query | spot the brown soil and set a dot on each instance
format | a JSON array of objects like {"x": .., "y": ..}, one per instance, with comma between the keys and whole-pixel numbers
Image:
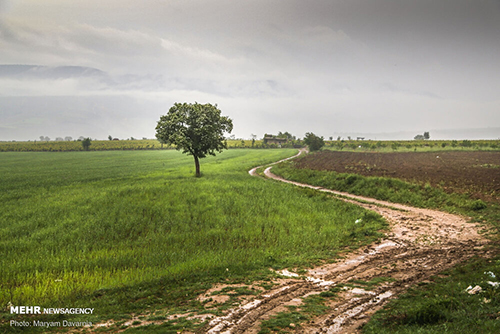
[
  {"x": 477, "y": 173},
  {"x": 421, "y": 243}
]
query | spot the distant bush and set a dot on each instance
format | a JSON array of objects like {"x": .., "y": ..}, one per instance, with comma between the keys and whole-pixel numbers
[
  {"x": 86, "y": 144},
  {"x": 466, "y": 143}
]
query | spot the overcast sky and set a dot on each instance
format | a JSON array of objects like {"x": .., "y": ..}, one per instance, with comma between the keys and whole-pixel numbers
[{"x": 112, "y": 67}]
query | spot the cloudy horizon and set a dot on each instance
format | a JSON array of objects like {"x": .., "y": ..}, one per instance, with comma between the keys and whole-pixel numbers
[{"x": 88, "y": 68}]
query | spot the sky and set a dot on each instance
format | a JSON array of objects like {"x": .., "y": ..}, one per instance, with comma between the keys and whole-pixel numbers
[{"x": 380, "y": 67}]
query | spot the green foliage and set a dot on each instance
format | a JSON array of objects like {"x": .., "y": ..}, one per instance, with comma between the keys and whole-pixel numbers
[
  {"x": 283, "y": 320},
  {"x": 196, "y": 129},
  {"x": 395, "y": 146},
  {"x": 286, "y": 135},
  {"x": 66, "y": 146},
  {"x": 128, "y": 230},
  {"x": 86, "y": 144},
  {"x": 314, "y": 142},
  {"x": 478, "y": 205},
  {"x": 466, "y": 143},
  {"x": 311, "y": 306}
]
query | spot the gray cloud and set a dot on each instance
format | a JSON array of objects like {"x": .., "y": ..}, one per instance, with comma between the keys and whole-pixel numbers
[{"x": 271, "y": 65}]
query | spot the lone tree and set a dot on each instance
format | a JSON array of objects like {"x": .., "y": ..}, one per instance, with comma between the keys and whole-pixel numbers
[
  {"x": 196, "y": 129},
  {"x": 86, "y": 144},
  {"x": 314, "y": 142}
]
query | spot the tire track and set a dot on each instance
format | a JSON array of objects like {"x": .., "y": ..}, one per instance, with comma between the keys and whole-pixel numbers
[{"x": 421, "y": 243}]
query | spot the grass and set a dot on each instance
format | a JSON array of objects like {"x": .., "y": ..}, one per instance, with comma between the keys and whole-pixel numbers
[
  {"x": 134, "y": 231},
  {"x": 394, "y": 190},
  {"x": 292, "y": 319},
  {"x": 442, "y": 306}
]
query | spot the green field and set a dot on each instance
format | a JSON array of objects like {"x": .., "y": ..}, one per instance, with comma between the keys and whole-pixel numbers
[
  {"x": 108, "y": 145},
  {"x": 131, "y": 231}
]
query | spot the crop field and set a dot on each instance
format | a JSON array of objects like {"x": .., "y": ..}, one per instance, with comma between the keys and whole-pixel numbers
[
  {"x": 463, "y": 182},
  {"x": 412, "y": 145},
  {"x": 134, "y": 231},
  {"x": 476, "y": 173},
  {"x": 105, "y": 145},
  {"x": 342, "y": 145}
]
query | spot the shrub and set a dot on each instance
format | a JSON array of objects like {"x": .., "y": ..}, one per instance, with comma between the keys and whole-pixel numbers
[
  {"x": 478, "y": 205},
  {"x": 86, "y": 144}
]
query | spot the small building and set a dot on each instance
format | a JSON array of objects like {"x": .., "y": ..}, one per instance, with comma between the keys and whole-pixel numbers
[{"x": 270, "y": 139}]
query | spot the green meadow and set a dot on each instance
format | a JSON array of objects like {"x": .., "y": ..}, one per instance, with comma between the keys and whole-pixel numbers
[{"x": 128, "y": 231}]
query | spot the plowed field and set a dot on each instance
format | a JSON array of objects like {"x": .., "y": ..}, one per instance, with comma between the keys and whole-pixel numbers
[{"x": 476, "y": 173}]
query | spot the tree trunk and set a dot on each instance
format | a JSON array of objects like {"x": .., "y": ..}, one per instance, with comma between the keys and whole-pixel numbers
[{"x": 197, "y": 164}]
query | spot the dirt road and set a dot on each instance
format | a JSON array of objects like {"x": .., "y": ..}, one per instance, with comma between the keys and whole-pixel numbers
[{"x": 421, "y": 243}]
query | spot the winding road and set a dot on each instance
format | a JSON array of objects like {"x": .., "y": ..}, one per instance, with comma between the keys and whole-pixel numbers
[{"x": 421, "y": 243}]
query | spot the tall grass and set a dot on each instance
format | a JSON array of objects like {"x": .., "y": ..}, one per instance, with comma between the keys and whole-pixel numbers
[{"x": 75, "y": 223}]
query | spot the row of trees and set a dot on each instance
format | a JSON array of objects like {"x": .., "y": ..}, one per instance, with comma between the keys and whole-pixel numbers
[
  {"x": 425, "y": 136},
  {"x": 86, "y": 142},
  {"x": 67, "y": 138}
]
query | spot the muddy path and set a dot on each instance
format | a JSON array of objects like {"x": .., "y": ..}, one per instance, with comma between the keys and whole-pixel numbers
[{"x": 421, "y": 243}]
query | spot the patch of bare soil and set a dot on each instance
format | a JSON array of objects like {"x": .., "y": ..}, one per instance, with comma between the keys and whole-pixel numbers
[
  {"x": 421, "y": 243},
  {"x": 474, "y": 172}
]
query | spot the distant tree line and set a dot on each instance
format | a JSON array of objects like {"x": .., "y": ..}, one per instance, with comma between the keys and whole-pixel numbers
[{"x": 425, "y": 136}]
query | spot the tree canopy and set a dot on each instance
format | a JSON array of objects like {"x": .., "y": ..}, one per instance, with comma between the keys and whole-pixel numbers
[
  {"x": 425, "y": 136},
  {"x": 86, "y": 143},
  {"x": 196, "y": 129},
  {"x": 314, "y": 142}
]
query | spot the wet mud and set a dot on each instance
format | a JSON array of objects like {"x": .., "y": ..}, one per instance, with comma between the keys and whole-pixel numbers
[{"x": 421, "y": 243}]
